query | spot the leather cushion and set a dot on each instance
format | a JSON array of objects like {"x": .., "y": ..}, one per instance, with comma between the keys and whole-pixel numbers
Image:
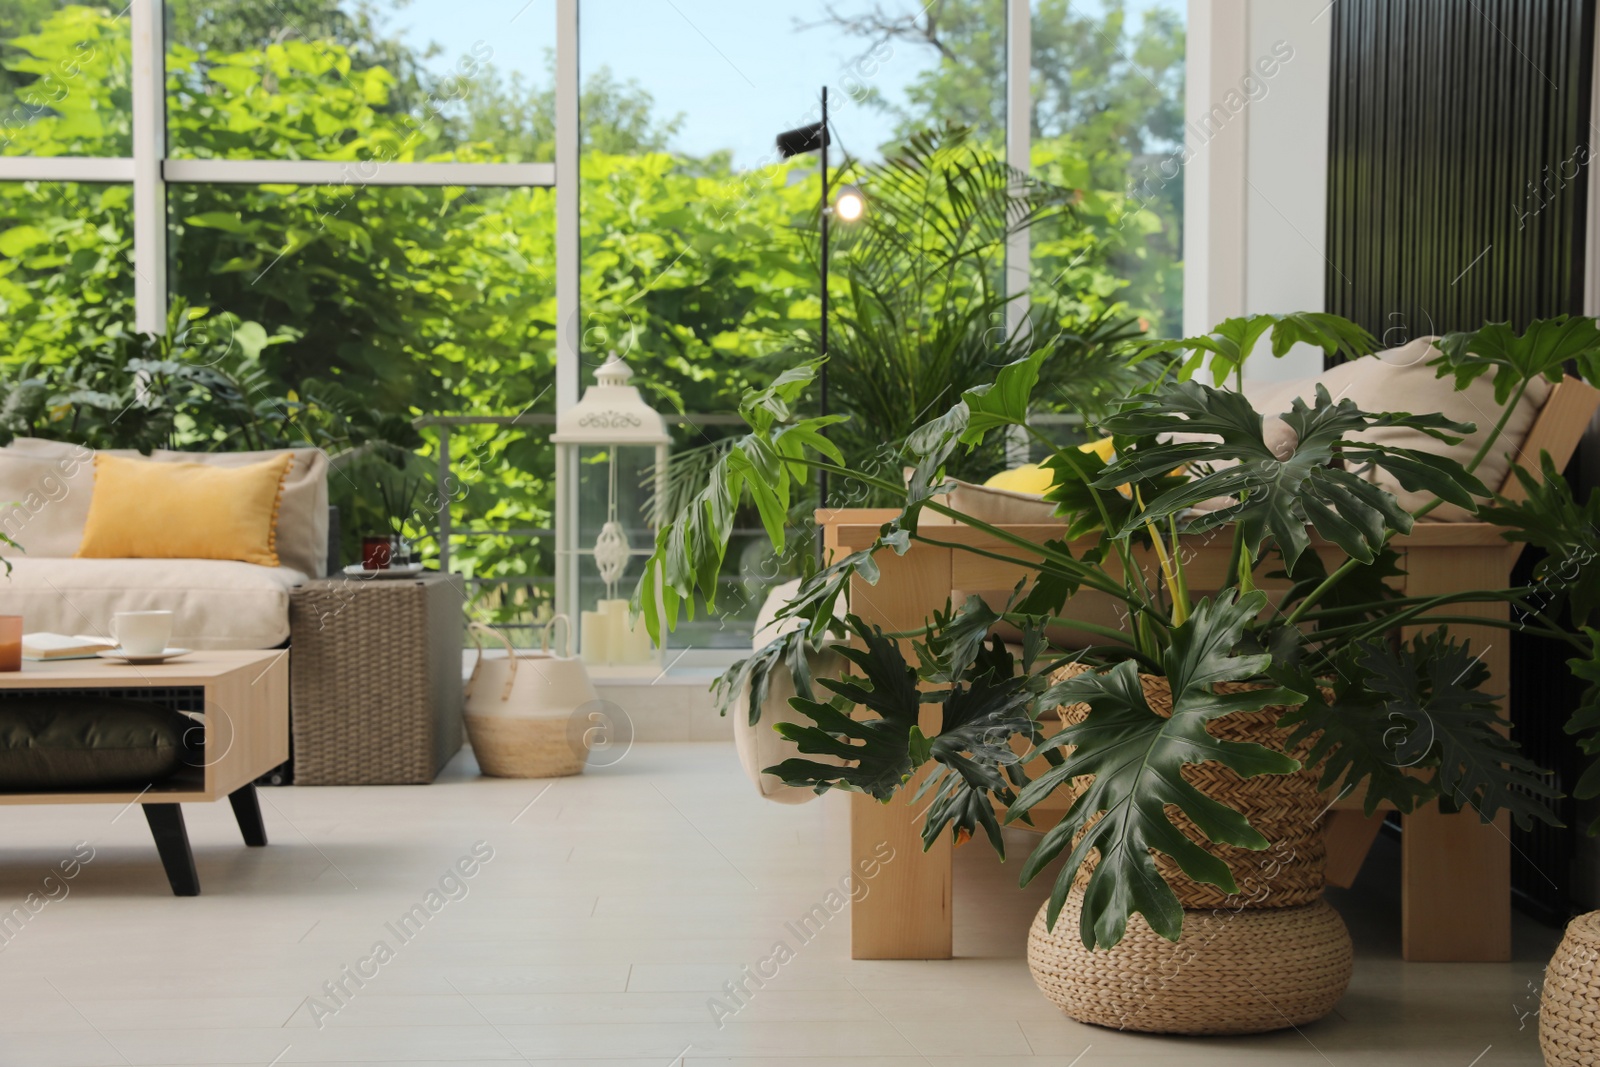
[{"x": 50, "y": 742}]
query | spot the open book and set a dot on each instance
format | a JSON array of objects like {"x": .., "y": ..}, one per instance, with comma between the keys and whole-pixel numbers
[{"x": 60, "y": 646}]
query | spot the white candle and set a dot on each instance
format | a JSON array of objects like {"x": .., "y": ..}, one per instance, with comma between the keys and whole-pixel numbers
[
  {"x": 616, "y": 616},
  {"x": 639, "y": 647},
  {"x": 595, "y": 636}
]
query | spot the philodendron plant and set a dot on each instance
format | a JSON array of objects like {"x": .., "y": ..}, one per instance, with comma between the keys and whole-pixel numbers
[{"x": 1403, "y": 720}]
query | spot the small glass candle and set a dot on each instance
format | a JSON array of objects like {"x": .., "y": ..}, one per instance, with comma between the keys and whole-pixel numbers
[
  {"x": 376, "y": 553},
  {"x": 10, "y": 642}
]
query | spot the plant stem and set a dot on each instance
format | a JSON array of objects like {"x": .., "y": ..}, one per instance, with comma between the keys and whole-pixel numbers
[
  {"x": 1483, "y": 450},
  {"x": 1071, "y": 624}
]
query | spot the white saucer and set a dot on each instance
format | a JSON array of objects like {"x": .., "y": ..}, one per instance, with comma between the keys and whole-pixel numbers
[
  {"x": 154, "y": 657},
  {"x": 410, "y": 570}
]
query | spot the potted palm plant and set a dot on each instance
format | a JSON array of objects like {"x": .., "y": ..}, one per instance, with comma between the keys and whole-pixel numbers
[{"x": 1403, "y": 721}]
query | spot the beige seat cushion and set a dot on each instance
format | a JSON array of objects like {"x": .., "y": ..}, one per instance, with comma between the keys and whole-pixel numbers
[
  {"x": 218, "y": 603},
  {"x": 302, "y": 540},
  {"x": 1401, "y": 380}
]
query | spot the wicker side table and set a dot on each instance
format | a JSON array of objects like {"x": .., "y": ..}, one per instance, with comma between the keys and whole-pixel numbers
[{"x": 375, "y": 679}]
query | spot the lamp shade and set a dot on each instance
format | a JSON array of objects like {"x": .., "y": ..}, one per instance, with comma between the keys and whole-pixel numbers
[{"x": 611, "y": 412}]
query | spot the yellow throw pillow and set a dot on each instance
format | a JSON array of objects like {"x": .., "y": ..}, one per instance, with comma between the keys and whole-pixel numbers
[
  {"x": 1034, "y": 479},
  {"x": 1028, "y": 478},
  {"x": 147, "y": 510}
]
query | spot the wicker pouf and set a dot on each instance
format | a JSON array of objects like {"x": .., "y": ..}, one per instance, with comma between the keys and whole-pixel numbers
[
  {"x": 1569, "y": 1006},
  {"x": 375, "y": 679},
  {"x": 1286, "y": 809},
  {"x": 1232, "y": 972}
]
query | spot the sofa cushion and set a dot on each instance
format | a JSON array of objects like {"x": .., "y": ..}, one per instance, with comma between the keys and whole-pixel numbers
[
  {"x": 45, "y": 487},
  {"x": 87, "y": 742},
  {"x": 303, "y": 511},
  {"x": 1401, "y": 380},
  {"x": 302, "y": 534},
  {"x": 216, "y": 603}
]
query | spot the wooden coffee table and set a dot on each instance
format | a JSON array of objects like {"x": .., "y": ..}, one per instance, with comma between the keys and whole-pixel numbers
[{"x": 245, "y": 699}]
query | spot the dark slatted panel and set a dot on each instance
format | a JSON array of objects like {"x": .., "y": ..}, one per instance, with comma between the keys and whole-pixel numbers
[
  {"x": 1458, "y": 154},
  {"x": 1459, "y": 141}
]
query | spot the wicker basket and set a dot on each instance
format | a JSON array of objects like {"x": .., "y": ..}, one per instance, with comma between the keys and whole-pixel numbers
[
  {"x": 1286, "y": 809},
  {"x": 1232, "y": 972},
  {"x": 1569, "y": 1007},
  {"x": 525, "y": 747},
  {"x": 528, "y": 712}
]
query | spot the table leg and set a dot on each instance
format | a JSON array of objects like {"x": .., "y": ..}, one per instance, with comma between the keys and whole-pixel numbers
[
  {"x": 1455, "y": 868},
  {"x": 247, "y": 811},
  {"x": 172, "y": 842},
  {"x": 906, "y": 913}
]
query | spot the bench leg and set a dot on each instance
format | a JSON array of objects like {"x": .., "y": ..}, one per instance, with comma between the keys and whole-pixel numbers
[
  {"x": 172, "y": 842},
  {"x": 247, "y": 810},
  {"x": 1456, "y": 887}
]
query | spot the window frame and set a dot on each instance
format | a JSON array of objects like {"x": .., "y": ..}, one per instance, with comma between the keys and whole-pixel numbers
[{"x": 150, "y": 171}]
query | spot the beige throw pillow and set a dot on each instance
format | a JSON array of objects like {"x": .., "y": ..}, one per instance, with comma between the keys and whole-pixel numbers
[
  {"x": 45, "y": 489},
  {"x": 1401, "y": 380},
  {"x": 43, "y": 504},
  {"x": 302, "y": 537}
]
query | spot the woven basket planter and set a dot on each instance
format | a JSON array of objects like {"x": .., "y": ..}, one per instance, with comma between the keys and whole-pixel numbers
[
  {"x": 1286, "y": 809},
  {"x": 1232, "y": 972},
  {"x": 1569, "y": 1006},
  {"x": 525, "y": 747}
]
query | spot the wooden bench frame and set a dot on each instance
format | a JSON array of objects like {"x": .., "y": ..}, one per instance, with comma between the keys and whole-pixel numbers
[{"x": 1456, "y": 870}]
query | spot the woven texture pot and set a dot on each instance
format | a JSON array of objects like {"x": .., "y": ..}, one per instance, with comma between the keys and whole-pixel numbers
[
  {"x": 1232, "y": 972},
  {"x": 1286, "y": 809},
  {"x": 1569, "y": 1006}
]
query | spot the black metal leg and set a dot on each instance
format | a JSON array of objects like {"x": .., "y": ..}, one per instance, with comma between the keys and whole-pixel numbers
[
  {"x": 172, "y": 842},
  {"x": 247, "y": 809}
]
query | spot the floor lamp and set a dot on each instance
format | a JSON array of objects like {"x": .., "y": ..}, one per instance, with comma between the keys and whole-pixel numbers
[{"x": 849, "y": 205}]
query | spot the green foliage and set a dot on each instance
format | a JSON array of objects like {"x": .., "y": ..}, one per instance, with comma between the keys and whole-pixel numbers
[
  {"x": 1135, "y": 758},
  {"x": 1233, "y": 341},
  {"x": 1549, "y": 518},
  {"x": 988, "y": 703},
  {"x": 1278, "y": 497},
  {"x": 1543, "y": 350}
]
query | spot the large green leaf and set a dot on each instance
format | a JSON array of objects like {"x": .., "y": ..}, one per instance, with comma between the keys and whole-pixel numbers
[
  {"x": 1003, "y": 402},
  {"x": 1356, "y": 737},
  {"x": 1231, "y": 342},
  {"x": 1543, "y": 350},
  {"x": 1135, "y": 758},
  {"x": 876, "y": 751},
  {"x": 1549, "y": 518},
  {"x": 764, "y": 465},
  {"x": 1585, "y": 720},
  {"x": 974, "y": 763},
  {"x": 1433, "y": 680},
  {"x": 1277, "y": 498}
]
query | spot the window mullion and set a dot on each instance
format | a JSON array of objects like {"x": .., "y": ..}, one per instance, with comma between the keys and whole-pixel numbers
[{"x": 149, "y": 147}]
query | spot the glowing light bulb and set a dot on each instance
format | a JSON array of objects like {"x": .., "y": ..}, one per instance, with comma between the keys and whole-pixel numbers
[{"x": 850, "y": 205}]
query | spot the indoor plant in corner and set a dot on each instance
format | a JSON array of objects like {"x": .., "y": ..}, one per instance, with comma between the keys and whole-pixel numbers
[{"x": 1403, "y": 721}]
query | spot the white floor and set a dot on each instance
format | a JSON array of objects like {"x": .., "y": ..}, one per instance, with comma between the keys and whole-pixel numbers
[{"x": 612, "y": 912}]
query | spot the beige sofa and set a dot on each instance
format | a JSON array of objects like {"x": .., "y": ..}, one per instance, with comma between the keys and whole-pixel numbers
[{"x": 45, "y": 489}]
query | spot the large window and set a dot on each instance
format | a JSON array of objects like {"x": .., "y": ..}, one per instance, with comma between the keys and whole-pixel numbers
[
  {"x": 64, "y": 80},
  {"x": 1107, "y": 89},
  {"x": 371, "y": 196}
]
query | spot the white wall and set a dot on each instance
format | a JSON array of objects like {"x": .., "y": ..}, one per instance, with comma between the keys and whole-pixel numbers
[{"x": 1256, "y": 183}]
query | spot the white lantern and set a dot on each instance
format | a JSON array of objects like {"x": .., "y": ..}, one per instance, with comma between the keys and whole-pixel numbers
[{"x": 611, "y": 449}]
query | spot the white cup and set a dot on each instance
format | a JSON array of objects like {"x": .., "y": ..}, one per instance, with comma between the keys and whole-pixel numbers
[{"x": 142, "y": 633}]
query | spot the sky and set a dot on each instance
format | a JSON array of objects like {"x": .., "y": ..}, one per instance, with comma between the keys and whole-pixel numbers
[{"x": 738, "y": 71}]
